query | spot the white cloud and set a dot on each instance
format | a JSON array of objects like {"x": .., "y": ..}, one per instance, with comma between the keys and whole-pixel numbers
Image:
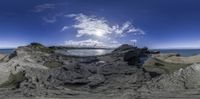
[
  {"x": 127, "y": 27},
  {"x": 64, "y": 28},
  {"x": 71, "y": 15},
  {"x": 91, "y": 43},
  {"x": 43, "y": 7},
  {"x": 99, "y": 31},
  {"x": 99, "y": 27},
  {"x": 134, "y": 41},
  {"x": 90, "y": 26},
  {"x": 50, "y": 19},
  {"x": 52, "y": 15}
]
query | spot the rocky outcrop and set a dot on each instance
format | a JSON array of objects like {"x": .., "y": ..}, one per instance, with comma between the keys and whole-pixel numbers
[
  {"x": 36, "y": 70},
  {"x": 132, "y": 55},
  {"x": 124, "y": 47},
  {"x": 188, "y": 78}
]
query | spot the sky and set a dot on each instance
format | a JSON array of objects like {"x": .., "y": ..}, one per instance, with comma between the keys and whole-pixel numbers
[{"x": 107, "y": 23}]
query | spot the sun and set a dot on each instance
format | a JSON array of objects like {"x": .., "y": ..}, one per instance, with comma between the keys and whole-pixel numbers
[{"x": 99, "y": 33}]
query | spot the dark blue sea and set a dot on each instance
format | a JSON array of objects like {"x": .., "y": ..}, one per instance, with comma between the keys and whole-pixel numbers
[
  {"x": 6, "y": 51},
  {"x": 182, "y": 52}
]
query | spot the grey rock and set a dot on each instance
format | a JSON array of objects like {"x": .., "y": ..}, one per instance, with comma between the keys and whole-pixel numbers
[
  {"x": 51, "y": 74},
  {"x": 95, "y": 80},
  {"x": 182, "y": 79},
  {"x": 124, "y": 47}
]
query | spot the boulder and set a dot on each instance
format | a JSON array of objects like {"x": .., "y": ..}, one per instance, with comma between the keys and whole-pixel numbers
[
  {"x": 70, "y": 75},
  {"x": 132, "y": 57},
  {"x": 188, "y": 78},
  {"x": 95, "y": 80},
  {"x": 136, "y": 57},
  {"x": 40, "y": 47},
  {"x": 88, "y": 60},
  {"x": 124, "y": 47}
]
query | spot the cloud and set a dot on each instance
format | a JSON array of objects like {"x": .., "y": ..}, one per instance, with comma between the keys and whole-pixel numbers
[
  {"x": 100, "y": 27},
  {"x": 64, "y": 28},
  {"x": 50, "y": 19},
  {"x": 99, "y": 32},
  {"x": 43, "y": 7},
  {"x": 50, "y": 11},
  {"x": 127, "y": 27},
  {"x": 90, "y": 26},
  {"x": 134, "y": 41},
  {"x": 92, "y": 43}
]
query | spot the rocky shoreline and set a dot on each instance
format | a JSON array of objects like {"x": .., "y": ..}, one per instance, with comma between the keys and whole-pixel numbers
[
  {"x": 126, "y": 73},
  {"x": 2, "y": 56}
]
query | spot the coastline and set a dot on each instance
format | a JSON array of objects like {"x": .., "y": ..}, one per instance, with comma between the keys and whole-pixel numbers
[
  {"x": 36, "y": 70},
  {"x": 2, "y": 56},
  {"x": 175, "y": 58}
]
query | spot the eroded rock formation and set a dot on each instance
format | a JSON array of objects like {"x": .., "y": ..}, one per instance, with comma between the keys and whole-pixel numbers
[{"x": 36, "y": 70}]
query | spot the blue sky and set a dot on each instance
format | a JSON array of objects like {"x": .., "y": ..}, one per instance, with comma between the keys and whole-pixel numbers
[{"x": 152, "y": 23}]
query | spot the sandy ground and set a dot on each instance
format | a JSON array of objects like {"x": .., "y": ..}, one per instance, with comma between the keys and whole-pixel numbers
[{"x": 172, "y": 58}]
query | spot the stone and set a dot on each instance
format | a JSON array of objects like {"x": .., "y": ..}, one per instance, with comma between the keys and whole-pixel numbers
[
  {"x": 50, "y": 74},
  {"x": 95, "y": 80},
  {"x": 124, "y": 47}
]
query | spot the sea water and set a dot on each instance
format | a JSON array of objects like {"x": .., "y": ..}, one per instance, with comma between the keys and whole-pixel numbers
[
  {"x": 85, "y": 52},
  {"x": 94, "y": 52},
  {"x": 182, "y": 52},
  {"x": 6, "y": 51}
]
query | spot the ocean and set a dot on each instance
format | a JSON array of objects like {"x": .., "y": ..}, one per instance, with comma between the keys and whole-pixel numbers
[
  {"x": 85, "y": 52},
  {"x": 6, "y": 51},
  {"x": 90, "y": 52},
  {"x": 182, "y": 52}
]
